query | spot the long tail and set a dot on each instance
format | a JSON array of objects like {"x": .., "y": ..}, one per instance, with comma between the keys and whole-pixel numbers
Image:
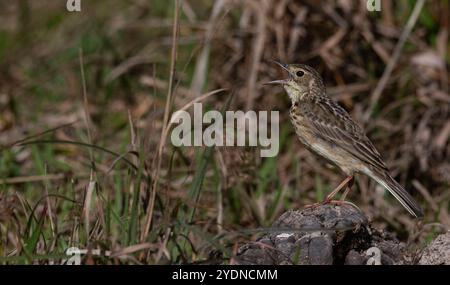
[{"x": 398, "y": 192}]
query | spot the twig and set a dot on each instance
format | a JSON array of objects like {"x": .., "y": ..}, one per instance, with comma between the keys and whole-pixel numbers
[
  {"x": 394, "y": 58},
  {"x": 85, "y": 104},
  {"x": 169, "y": 100},
  {"x": 49, "y": 205},
  {"x": 426, "y": 194},
  {"x": 92, "y": 182},
  {"x": 199, "y": 77},
  {"x": 260, "y": 10},
  {"x": 9, "y": 145}
]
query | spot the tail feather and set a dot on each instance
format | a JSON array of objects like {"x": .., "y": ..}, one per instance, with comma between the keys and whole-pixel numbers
[{"x": 399, "y": 193}]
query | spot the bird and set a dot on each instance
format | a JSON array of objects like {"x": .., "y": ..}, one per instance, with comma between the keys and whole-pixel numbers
[{"x": 325, "y": 128}]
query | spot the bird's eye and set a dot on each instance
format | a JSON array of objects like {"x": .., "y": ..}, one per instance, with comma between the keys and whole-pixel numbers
[{"x": 299, "y": 73}]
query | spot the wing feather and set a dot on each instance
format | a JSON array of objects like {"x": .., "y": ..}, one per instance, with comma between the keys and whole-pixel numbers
[{"x": 332, "y": 123}]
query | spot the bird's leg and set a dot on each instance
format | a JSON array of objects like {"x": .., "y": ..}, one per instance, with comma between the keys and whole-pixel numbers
[
  {"x": 348, "y": 189},
  {"x": 329, "y": 199},
  {"x": 345, "y": 182}
]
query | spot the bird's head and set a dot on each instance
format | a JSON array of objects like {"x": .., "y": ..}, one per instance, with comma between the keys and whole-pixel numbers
[{"x": 302, "y": 81}]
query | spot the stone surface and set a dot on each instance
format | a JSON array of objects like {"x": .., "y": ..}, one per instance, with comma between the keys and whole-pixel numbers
[
  {"x": 438, "y": 252},
  {"x": 327, "y": 234}
]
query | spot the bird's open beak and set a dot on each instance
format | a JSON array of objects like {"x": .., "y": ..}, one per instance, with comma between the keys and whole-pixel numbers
[
  {"x": 280, "y": 81},
  {"x": 275, "y": 82}
]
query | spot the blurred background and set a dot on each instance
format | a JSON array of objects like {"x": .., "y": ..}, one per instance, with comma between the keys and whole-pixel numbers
[{"x": 85, "y": 96}]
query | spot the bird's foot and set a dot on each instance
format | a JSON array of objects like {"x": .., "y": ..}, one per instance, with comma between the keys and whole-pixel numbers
[{"x": 325, "y": 202}]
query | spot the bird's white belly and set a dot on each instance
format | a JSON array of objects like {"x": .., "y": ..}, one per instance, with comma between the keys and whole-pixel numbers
[{"x": 338, "y": 156}]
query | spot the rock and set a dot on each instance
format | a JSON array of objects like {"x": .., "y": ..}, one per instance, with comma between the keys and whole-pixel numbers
[
  {"x": 327, "y": 234},
  {"x": 355, "y": 258},
  {"x": 438, "y": 252}
]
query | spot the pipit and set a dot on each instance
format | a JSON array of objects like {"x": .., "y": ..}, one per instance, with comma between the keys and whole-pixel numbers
[{"x": 326, "y": 129}]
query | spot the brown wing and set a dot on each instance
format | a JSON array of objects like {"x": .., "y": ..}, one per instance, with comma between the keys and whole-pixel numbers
[{"x": 333, "y": 124}]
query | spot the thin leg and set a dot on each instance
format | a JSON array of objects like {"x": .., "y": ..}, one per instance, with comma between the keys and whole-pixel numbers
[
  {"x": 347, "y": 190},
  {"x": 329, "y": 199},
  {"x": 339, "y": 188}
]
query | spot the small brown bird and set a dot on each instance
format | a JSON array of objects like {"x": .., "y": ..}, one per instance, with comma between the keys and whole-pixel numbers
[{"x": 325, "y": 128}]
